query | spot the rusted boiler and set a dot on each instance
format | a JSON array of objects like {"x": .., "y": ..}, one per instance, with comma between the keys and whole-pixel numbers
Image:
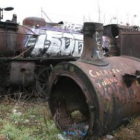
[{"x": 96, "y": 93}]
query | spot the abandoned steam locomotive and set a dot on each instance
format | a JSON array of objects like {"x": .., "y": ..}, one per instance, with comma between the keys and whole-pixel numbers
[
  {"x": 102, "y": 91},
  {"x": 28, "y": 53},
  {"x": 93, "y": 95}
]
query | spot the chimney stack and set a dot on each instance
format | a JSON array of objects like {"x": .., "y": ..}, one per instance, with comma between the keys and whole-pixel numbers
[{"x": 92, "y": 51}]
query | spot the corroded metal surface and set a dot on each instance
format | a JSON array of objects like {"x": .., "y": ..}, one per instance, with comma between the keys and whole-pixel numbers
[
  {"x": 130, "y": 43},
  {"x": 98, "y": 95}
]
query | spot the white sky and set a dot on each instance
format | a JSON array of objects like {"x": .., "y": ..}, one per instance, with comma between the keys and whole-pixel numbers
[{"x": 76, "y": 11}]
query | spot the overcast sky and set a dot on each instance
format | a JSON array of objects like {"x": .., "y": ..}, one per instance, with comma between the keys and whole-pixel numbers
[{"x": 76, "y": 11}]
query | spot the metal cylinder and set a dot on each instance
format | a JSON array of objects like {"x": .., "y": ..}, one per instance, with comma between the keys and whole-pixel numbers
[
  {"x": 93, "y": 53},
  {"x": 95, "y": 98}
]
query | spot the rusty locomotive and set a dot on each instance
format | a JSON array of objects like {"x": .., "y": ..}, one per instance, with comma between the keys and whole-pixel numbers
[
  {"x": 96, "y": 94},
  {"x": 28, "y": 53}
]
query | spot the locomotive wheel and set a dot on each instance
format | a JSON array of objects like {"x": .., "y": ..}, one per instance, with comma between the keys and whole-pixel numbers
[{"x": 42, "y": 81}]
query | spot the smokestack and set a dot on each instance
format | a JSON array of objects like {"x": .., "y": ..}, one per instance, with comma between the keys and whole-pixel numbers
[{"x": 92, "y": 51}]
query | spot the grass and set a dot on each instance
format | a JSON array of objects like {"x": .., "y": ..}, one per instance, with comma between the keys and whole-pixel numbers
[
  {"x": 26, "y": 121},
  {"x": 32, "y": 120}
]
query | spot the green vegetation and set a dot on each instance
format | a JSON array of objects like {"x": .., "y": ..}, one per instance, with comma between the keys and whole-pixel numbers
[
  {"x": 26, "y": 121},
  {"x": 32, "y": 120}
]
